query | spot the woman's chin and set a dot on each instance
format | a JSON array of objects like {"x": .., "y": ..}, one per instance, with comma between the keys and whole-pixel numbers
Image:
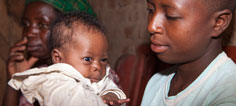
[
  {"x": 40, "y": 55},
  {"x": 166, "y": 59}
]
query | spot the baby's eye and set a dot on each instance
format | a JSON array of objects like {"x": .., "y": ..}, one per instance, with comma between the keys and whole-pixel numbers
[
  {"x": 104, "y": 60},
  {"x": 88, "y": 59},
  {"x": 150, "y": 11}
]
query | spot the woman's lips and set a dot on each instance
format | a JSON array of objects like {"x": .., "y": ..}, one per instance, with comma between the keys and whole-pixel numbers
[
  {"x": 158, "y": 48},
  {"x": 32, "y": 48}
]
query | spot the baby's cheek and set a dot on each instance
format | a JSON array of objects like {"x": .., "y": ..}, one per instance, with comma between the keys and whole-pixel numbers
[{"x": 103, "y": 73}]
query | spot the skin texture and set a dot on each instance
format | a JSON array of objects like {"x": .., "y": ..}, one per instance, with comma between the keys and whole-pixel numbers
[
  {"x": 88, "y": 55},
  {"x": 186, "y": 33},
  {"x": 36, "y": 20}
]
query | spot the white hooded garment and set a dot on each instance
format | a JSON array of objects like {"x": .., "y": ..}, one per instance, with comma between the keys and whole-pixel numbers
[{"x": 62, "y": 85}]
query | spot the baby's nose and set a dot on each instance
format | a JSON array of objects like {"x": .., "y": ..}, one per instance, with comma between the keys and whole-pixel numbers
[{"x": 97, "y": 66}]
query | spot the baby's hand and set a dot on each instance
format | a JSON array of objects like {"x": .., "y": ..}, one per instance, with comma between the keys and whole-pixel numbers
[
  {"x": 117, "y": 102},
  {"x": 113, "y": 100}
]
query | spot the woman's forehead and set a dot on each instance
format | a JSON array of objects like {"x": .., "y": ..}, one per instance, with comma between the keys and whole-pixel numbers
[
  {"x": 39, "y": 8},
  {"x": 184, "y": 7},
  {"x": 173, "y": 3}
]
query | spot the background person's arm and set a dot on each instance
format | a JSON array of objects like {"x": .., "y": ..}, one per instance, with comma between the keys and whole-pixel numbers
[{"x": 11, "y": 97}]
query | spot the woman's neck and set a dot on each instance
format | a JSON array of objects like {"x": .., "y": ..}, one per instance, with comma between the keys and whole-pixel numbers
[
  {"x": 188, "y": 72},
  {"x": 43, "y": 62}
]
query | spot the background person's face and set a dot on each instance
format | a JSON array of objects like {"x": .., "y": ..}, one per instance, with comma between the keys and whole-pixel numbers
[
  {"x": 180, "y": 29},
  {"x": 36, "y": 22}
]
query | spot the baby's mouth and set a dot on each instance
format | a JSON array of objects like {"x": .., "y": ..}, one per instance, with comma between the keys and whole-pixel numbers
[{"x": 94, "y": 80}]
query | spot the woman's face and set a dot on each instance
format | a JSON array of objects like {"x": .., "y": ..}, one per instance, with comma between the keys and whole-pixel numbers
[
  {"x": 180, "y": 29},
  {"x": 36, "y": 21}
]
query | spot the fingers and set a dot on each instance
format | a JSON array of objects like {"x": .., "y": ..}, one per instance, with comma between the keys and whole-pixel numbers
[
  {"x": 16, "y": 56},
  {"x": 111, "y": 103},
  {"x": 121, "y": 101},
  {"x": 17, "y": 51},
  {"x": 22, "y": 42},
  {"x": 108, "y": 102},
  {"x": 32, "y": 61},
  {"x": 105, "y": 101},
  {"x": 19, "y": 66},
  {"x": 19, "y": 46},
  {"x": 117, "y": 102}
]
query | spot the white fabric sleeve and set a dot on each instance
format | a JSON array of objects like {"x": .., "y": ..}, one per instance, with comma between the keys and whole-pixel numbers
[
  {"x": 56, "y": 90},
  {"x": 111, "y": 87}
]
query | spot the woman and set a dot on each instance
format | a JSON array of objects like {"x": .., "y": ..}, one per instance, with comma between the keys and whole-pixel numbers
[{"x": 32, "y": 50}]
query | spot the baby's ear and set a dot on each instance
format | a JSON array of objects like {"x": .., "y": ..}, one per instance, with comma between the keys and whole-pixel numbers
[
  {"x": 56, "y": 56},
  {"x": 222, "y": 21}
]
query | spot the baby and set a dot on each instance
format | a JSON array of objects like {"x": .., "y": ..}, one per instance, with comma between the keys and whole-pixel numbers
[{"x": 79, "y": 75}]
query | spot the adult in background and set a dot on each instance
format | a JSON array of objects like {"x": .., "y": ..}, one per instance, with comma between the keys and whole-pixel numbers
[{"x": 32, "y": 50}]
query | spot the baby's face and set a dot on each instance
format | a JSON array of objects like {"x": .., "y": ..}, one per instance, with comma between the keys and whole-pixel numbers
[
  {"x": 88, "y": 54},
  {"x": 180, "y": 29}
]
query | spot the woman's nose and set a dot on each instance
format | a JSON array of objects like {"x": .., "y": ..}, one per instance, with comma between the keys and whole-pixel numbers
[
  {"x": 31, "y": 31},
  {"x": 155, "y": 23}
]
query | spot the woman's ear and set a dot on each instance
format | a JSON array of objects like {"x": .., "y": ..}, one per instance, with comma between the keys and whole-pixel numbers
[
  {"x": 222, "y": 21},
  {"x": 56, "y": 56}
]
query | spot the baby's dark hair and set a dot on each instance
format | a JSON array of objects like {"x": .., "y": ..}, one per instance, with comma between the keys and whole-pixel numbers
[
  {"x": 64, "y": 27},
  {"x": 217, "y": 5}
]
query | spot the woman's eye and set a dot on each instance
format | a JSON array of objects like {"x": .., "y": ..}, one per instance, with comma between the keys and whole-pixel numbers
[
  {"x": 25, "y": 24},
  {"x": 172, "y": 17},
  {"x": 43, "y": 25},
  {"x": 88, "y": 59}
]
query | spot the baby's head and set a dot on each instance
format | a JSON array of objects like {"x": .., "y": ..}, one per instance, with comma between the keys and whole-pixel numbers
[
  {"x": 185, "y": 30},
  {"x": 77, "y": 39}
]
